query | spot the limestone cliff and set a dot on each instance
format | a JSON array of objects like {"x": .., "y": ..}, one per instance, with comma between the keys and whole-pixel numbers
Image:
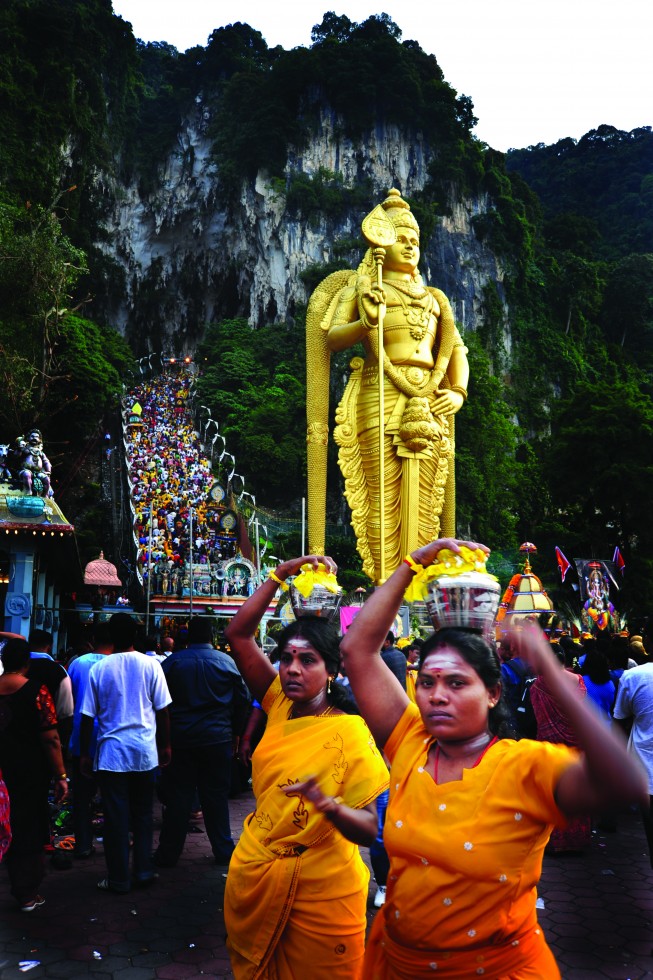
[{"x": 188, "y": 255}]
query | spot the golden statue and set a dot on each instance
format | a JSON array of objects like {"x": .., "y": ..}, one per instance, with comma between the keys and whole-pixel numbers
[{"x": 395, "y": 423}]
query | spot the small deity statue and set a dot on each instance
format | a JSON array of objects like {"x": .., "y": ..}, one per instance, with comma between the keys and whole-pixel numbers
[
  {"x": 425, "y": 372},
  {"x": 238, "y": 583},
  {"x": 35, "y": 467}
]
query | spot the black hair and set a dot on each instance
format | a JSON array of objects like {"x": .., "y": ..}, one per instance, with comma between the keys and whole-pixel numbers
[
  {"x": 571, "y": 651},
  {"x": 15, "y": 654},
  {"x": 595, "y": 666},
  {"x": 122, "y": 630},
  {"x": 200, "y": 630},
  {"x": 39, "y": 638},
  {"x": 101, "y": 635},
  {"x": 619, "y": 653},
  {"x": 482, "y": 658},
  {"x": 413, "y": 645},
  {"x": 390, "y": 638},
  {"x": 325, "y": 638}
]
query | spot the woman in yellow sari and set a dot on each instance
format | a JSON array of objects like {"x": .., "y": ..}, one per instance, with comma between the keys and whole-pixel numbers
[
  {"x": 296, "y": 891},
  {"x": 470, "y": 812}
]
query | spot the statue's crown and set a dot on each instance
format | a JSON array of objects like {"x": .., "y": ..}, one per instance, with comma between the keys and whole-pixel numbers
[{"x": 399, "y": 211}]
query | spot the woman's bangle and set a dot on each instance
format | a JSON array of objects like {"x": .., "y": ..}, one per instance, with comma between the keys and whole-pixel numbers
[
  {"x": 62, "y": 776},
  {"x": 412, "y": 564},
  {"x": 275, "y": 578},
  {"x": 336, "y": 800}
]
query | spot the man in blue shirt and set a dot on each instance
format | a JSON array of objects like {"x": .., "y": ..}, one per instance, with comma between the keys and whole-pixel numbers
[{"x": 208, "y": 711}]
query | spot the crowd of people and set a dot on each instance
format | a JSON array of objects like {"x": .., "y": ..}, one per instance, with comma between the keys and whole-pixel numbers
[
  {"x": 414, "y": 753},
  {"x": 171, "y": 475}
]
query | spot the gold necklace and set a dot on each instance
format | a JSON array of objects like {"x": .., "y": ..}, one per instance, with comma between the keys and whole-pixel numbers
[
  {"x": 321, "y": 714},
  {"x": 418, "y": 317},
  {"x": 415, "y": 290}
]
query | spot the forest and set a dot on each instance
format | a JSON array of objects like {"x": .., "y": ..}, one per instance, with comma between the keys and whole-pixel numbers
[{"x": 555, "y": 444}]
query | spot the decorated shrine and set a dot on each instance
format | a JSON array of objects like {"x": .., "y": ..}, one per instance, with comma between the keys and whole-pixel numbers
[
  {"x": 525, "y": 598},
  {"x": 37, "y": 549}
]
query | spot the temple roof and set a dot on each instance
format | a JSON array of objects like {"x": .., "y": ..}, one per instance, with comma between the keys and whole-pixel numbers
[
  {"x": 37, "y": 516},
  {"x": 101, "y": 572}
]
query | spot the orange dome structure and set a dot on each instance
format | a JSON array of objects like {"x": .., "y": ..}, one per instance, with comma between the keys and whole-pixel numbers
[
  {"x": 101, "y": 572},
  {"x": 525, "y": 597}
]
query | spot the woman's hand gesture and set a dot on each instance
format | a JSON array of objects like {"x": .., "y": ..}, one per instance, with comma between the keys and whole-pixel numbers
[
  {"x": 427, "y": 554},
  {"x": 293, "y": 565}
]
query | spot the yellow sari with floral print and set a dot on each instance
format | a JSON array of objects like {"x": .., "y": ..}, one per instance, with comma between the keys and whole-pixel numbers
[{"x": 296, "y": 890}]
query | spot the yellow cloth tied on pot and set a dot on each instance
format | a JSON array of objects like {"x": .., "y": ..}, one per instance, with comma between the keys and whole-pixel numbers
[
  {"x": 309, "y": 577},
  {"x": 448, "y": 564}
]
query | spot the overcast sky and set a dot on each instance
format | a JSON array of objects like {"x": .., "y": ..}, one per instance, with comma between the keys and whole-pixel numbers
[{"x": 536, "y": 71}]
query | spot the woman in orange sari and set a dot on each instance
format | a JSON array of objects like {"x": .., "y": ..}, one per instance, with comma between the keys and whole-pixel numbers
[
  {"x": 296, "y": 892},
  {"x": 470, "y": 812}
]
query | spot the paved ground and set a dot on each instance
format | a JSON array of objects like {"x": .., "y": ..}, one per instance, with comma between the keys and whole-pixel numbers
[{"x": 598, "y": 917}]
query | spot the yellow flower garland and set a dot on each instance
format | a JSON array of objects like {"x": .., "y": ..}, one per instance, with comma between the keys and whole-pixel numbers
[
  {"x": 309, "y": 577},
  {"x": 448, "y": 564}
]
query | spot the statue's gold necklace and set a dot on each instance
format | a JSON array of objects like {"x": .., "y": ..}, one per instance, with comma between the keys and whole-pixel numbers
[
  {"x": 418, "y": 318},
  {"x": 416, "y": 290}
]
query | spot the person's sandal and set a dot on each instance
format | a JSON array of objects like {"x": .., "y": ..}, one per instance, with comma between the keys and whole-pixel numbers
[
  {"x": 36, "y": 903},
  {"x": 105, "y": 886}
]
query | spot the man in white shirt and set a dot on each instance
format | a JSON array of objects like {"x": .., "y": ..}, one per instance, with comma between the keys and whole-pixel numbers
[
  {"x": 633, "y": 711},
  {"x": 128, "y": 695}
]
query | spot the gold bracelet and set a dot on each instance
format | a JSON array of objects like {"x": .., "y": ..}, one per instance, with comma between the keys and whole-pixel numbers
[
  {"x": 412, "y": 564},
  {"x": 275, "y": 578},
  {"x": 337, "y": 800},
  {"x": 62, "y": 776},
  {"x": 460, "y": 390}
]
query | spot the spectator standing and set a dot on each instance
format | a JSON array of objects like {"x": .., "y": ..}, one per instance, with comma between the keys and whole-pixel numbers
[
  {"x": 633, "y": 712},
  {"x": 84, "y": 788},
  {"x": 128, "y": 695},
  {"x": 394, "y": 659},
  {"x": 209, "y": 710},
  {"x": 45, "y": 670}
]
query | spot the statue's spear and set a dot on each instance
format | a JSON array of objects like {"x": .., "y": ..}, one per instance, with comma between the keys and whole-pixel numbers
[{"x": 380, "y": 233}]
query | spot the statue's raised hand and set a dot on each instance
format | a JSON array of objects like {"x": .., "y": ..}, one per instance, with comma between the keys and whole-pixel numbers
[{"x": 369, "y": 298}]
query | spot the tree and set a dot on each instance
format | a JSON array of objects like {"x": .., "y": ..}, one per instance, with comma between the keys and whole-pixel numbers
[
  {"x": 601, "y": 460},
  {"x": 254, "y": 383},
  {"x": 332, "y": 28},
  {"x": 627, "y": 313},
  {"x": 486, "y": 471},
  {"x": 51, "y": 358}
]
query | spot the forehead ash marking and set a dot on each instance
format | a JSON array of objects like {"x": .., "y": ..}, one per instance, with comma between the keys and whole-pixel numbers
[
  {"x": 442, "y": 660},
  {"x": 299, "y": 642}
]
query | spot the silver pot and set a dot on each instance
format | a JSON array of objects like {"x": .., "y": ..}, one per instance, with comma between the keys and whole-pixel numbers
[
  {"x": 321, "y": 602},
  {"x": 468, "y": 600}
]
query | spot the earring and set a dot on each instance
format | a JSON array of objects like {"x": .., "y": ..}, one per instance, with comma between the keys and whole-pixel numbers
[{"x": 329, "y": 686}]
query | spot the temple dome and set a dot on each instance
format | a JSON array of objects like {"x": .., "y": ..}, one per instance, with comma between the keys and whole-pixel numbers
[{"x": 101, "y": 572}]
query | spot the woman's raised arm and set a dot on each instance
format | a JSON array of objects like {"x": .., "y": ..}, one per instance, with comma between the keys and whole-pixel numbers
[
  {"x": 252, "y": 663},
  {"x": 379, "y": 695},
  {"x": 607, "y": 774}
]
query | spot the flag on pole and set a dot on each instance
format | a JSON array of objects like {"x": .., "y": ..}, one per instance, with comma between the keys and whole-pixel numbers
[
  {"x": 563, "y": 564},
  {"x": 618, "y": 559}
]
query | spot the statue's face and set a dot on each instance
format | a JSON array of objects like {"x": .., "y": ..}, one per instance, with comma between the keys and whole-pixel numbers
[
  {"x": 403, "y": 256},
  {"x": 33, "y": 439}
]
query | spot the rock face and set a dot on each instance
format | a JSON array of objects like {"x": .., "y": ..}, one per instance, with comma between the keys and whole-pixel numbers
[{"x": 187, "y": 256}]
